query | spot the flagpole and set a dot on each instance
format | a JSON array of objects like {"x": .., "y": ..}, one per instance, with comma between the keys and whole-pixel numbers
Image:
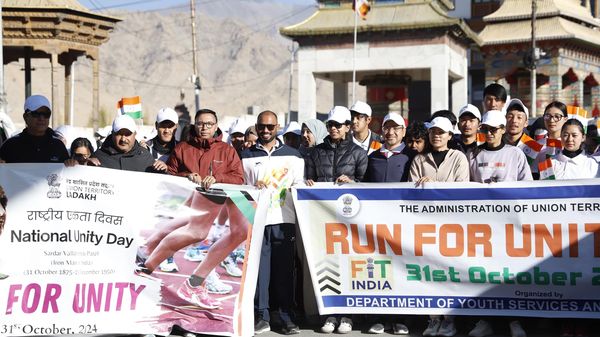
[{"x": 354, "y": 53}]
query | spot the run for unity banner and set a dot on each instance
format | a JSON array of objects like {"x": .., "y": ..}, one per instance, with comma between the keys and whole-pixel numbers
[
  {"x": 518, "y": 249},
  {"x": 87, "y": 250}
]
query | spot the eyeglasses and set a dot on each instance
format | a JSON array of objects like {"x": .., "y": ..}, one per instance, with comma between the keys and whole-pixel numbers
[
  {"x": 555, "y": 118},
  {"x": 395, "y": 128},
  {"x": 488, "y": 129},
  {"x": 269, "y": 127},
  {"x": 333, "y": 124},
  {"x": 206, "y": 125},
  {"x": 39, "y": 114}
]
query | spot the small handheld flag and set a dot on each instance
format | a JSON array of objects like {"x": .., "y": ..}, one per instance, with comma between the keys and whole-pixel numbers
[
  {"x": 546, "y": 170},
  {"x": 530, "y": 147},
  {"x": 131, "y": 106}
]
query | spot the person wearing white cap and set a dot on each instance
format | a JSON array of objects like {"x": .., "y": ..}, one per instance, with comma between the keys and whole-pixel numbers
[
  {"x": 439, "y": 163},
  {"x": 163, "y": 144},
  {"x": 38, "y": 143},
  {"x": 121, "y": 150},
  {"x": 236, "y": 133},
  {"x": 292, "y": 135},
  {"x": 469, "y": 118},
  {"x": 338, "y": 159},
  {"x": 369, "y": 141},
  {"x": 495, "y": 160},
  {"x": 517, "y": 116},
  {"x": 388, "y": 164}
]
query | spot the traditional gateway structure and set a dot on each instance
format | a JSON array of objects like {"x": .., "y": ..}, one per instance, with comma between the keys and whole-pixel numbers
[
  {"x": 570, "y": 37},
  {"x": 60, "y": 30},
  {"x": 411, "y": 56}
]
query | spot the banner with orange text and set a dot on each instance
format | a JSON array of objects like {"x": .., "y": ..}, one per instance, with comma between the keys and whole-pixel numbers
[
  {"x": 89, "y": 250},
  {"x": 508, "y": 249}
]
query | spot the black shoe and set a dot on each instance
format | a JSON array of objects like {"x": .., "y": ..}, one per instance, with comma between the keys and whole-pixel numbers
[
  {"x": 261, "y": 326},
  {"x": 290, "y": 328}
]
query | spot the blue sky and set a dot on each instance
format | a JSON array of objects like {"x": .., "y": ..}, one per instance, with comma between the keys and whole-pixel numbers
[{"x": 137, "y": 5}]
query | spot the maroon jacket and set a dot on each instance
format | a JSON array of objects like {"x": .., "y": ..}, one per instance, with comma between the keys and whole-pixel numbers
[{"x": 207, "y": 157}]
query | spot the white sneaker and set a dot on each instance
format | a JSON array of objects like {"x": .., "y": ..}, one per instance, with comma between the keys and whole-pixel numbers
[
  {"x": 516, "y": 330},
  {"x": 432, "y": 327},
  {"x": 399, "y": 329},
  {"x": 231, "y": 267},
  {"x": 329, "y": 325},
  {"x": 345, "y": 325},
  {"x": 481, "y": 329},
  {"x": 168, "y": 265},
  {"x": 214, "y": 285},
  {"x": 377, "y": 328},
  {"x": 194, "y": 254},
  {"x": 447, "y": 328}
]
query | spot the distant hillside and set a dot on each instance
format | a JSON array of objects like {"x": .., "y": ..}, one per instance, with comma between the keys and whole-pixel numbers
[{"x": 242, "y": 61}]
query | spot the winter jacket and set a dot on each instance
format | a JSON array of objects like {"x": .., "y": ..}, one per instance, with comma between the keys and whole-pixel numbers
[
  {"x": 386, "y": 169},
  {"x": 137, "y": 159},
  {"x": 455, "y": 167},
  {"x": 206, "y": 157},
  {"x": 328, "y": 161},
  {"x": 25, "y": 148}
]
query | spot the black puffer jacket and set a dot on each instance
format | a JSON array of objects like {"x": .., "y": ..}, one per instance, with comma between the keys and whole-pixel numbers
[
  {"x": 328, "y": 161},
  {"x": 137, "y": 159}
]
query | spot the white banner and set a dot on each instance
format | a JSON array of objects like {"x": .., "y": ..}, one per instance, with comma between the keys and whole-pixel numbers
[
  {"x": 520, "y": 249},
  {"x": 72, "y": 235}
]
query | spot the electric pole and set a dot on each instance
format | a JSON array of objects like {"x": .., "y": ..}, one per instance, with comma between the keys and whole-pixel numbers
[
  {"x": 293, "y": 57},
  {"x": 534, "y": 57},
  {"x": 195, "y": 78},
  {"x": 3, "y": 102}
]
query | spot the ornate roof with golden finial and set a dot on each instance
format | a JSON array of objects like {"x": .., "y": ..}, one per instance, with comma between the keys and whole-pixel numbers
[
  {"x": 555, "y": 20},
  {"x": 412, "y": 14}
]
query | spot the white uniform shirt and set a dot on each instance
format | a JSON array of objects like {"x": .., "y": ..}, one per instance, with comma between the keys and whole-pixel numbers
[{"x": 578, "y": 167}]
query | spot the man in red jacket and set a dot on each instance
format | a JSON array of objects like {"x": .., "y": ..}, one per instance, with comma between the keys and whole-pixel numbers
[{"x": 205, "y": 160}]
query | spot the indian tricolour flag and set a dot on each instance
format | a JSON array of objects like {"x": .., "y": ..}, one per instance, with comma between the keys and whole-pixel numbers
[
  {"x": 480, "y": 138},
  {"x": 546, "y": 170},
  {"x": 131, "y": 106},
  {"x": 579, "y": 114},
  {"x": 530, "y": 147},
  {"x": 362, "y": 7},
  {"x": 553, "y": 147}
]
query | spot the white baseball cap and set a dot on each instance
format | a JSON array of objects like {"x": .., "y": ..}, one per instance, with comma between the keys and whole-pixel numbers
[
  {"x": 516, "y": 104},
  {"x": 35, "y": 102},
  {"x": 470, "y": 108},
  {"x": 293, "y": 127},
  {"x": 395, "y": 117},
  {"x": 339, "y": 114},
  {"x": 167, "y": 114},
  {"x": 362, "y": 108},
  {"x": 441, "y": 123},
  {"x": 124, "y": 122},
  {"x": 238, "y": 126},
  {"x": 494, "y": 118}
]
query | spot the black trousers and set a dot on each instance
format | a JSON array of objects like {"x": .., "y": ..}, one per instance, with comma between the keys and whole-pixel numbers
[{"x": 276, "y": 272}]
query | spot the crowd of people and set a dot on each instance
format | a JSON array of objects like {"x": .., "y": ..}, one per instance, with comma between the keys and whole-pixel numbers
[{"x": 497, "y": 145}]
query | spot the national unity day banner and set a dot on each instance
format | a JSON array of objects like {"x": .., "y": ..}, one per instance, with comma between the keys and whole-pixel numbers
[
  {"x": 514, "y": 249},
  {"x": 72, "y": 236}
]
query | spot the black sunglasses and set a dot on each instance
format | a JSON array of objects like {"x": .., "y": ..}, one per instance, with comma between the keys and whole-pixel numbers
[
  {"x": 333, "y": 124},
  {"x": 38, "y": 114},
  {"x": 269, "y": 127}
]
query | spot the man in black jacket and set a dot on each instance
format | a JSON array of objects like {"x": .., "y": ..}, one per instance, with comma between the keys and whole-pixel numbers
[
  {"x": 122, "y": 151},
  {"x": 37, "y": 143}
]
